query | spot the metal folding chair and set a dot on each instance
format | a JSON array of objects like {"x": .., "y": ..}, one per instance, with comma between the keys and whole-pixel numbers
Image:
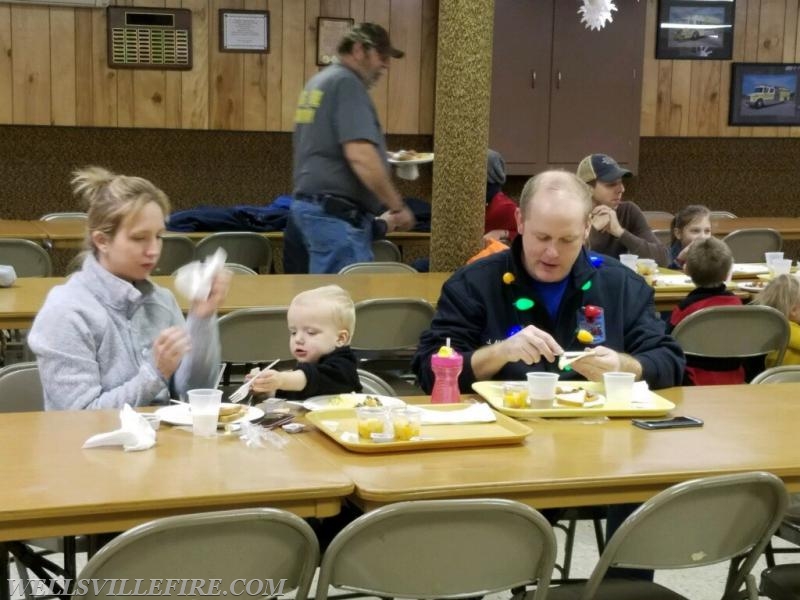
[
  {"x": 236, "y": 547},
  {"x": 441, "y": 549}
]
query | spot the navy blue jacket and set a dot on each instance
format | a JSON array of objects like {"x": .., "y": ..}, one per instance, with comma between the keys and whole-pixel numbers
[{"x": 476, "y": 309}]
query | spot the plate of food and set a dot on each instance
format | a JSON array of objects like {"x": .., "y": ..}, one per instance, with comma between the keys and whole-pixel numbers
[
  {"x": 752, "y": 286},
  {"x": 410, "y": 157},
  {"x": 340, "y": 401},
  {"x": 181, "y": 414}
]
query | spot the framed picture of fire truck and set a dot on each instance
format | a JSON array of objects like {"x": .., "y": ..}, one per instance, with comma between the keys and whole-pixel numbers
[
  {"x": 695, "y": 29},
  {"x": 764, "y": 94}
]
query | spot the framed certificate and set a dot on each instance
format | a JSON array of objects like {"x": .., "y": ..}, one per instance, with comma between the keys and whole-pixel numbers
[
  {"x": 330, "y": 32},
  {"x": 243, "y": 30}
]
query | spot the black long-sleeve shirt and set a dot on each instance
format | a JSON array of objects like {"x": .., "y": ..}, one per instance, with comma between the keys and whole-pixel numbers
[{"x": 335, "y": 373}]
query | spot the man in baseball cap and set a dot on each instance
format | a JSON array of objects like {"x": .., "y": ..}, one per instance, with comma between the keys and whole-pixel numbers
[
  {"x": 618, "y": 227},
  {"x": 342, "y": 180},
  {"x": 371, "y": 35}
]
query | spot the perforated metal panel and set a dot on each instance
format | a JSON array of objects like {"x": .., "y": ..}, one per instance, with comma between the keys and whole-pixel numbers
[{"x": 149, "y": 38}]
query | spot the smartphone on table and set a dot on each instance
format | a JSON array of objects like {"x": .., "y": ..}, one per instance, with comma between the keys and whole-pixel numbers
[{"x": 672, "y": 423}]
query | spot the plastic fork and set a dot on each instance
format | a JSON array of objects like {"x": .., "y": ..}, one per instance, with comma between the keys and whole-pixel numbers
[
  {"x": 568, "y": 358},
  {"x": 244, "y": 389}
]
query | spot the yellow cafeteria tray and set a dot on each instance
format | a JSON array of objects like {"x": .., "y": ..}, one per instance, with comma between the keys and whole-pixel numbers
[
  {"x": 492, "y": 391},
  {"x": 340, "y": 425}
]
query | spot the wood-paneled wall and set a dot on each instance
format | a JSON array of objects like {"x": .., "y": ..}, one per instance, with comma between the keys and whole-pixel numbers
[
  {"x": 54, "y": 71},
  {"x": 686, "y": 98}
]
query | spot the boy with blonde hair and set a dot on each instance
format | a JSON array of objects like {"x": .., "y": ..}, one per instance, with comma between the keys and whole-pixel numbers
[{"x": 321, "y": 324}]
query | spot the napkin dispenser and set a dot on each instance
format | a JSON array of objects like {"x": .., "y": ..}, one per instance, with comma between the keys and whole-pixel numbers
[{"x": 7, "y": 275}]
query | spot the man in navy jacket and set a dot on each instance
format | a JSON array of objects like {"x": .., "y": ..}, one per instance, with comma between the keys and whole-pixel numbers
[{"x": 517, "y": 311}]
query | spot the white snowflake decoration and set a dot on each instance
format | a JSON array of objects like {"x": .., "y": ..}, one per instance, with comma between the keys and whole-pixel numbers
[{"x": 596, "y": 13}]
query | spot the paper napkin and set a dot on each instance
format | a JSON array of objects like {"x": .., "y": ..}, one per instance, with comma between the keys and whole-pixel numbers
[
  {"x": 134, "y": 434},
  {"x": 474, "y": 413},
  {"x": 641, "y": 394},
  {"x": 194, "y": 280}
]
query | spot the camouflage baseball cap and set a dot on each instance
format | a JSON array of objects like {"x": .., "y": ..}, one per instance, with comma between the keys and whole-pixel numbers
[{"x": 375, "y": 36}]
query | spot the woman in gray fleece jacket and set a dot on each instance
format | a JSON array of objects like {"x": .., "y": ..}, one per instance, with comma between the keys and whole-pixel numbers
[{"x": 109, "y": 336}]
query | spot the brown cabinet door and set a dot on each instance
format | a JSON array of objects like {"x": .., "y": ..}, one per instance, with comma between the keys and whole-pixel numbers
[
  {"x": 596, "y": 85},
  {"x": 521, "y": 83}
]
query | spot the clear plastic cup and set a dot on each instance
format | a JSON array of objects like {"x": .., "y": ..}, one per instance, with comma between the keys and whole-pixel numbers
[
  {"x": 372, "y": 419},
  {"x": 770, "y": 256},
  {"x": 619, "y": 386},
  {"x": 629, "y": 260},
  {"x": 407, "y": 421},
  {"x": 542, "y": 388},
  {"x": 515, "y": 394},
  {"x": 204, "y": 404},
  {"x": 781, "y": 266}
]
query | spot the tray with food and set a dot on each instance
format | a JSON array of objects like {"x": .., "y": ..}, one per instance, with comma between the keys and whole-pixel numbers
[
  {"x": 575, "y": 399},
  {"x": 418, "y": 427},
  {"x": 410, "y": 157}
]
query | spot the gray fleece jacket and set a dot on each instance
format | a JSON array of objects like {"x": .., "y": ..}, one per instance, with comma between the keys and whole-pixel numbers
[{"x": 93, "y": 342}]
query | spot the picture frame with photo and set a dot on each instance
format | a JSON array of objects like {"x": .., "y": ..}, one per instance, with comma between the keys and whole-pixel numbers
[
  {"x": 330, "y": 31},
  {"x": 695, "y": 29},
  {"x": 764, "y": 94}
]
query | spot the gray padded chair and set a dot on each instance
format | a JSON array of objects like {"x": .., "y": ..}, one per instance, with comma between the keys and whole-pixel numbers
[
  {"x": 789, "y": 529},
  {"x": 21, "y": 388},
  {"x": 176, "y": 251},
  {"x": 749, "y": 245},
  {"x": 65, "y": 216},
  {"x": 716, "y": 215},
  {"x": 664, "y": 236},
  {"x": 246, "y": 544},
  {"x": 692, "y": 524},
  {"x": 390, "y": 324},
  {"x": 781, "y": 582},
  {"x": 386, "y": 251},
  {"x": 759, "y": 330},
  {"x": 254, "y": 336},
  {"x": 657, "y": 214},
  {"x": 244, "y": 247},
  {"x": 784, "y": 374},
  {"x": 387, "y": 332},
  {"x": 372, "y": 384},
  {"x": 21, "y": 391},
  {"x": 238, "y": 269},
  {"x": 441, "y": 549},
  {"x": 28, "y": 258},
  {"x": 377, "y": 267}
]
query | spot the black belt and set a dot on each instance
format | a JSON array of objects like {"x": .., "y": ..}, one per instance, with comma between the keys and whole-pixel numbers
[{"x": 337, "y": 206}]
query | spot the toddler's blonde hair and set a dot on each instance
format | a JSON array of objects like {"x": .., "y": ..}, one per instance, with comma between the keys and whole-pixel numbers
[{"x": 336, "y": 301}]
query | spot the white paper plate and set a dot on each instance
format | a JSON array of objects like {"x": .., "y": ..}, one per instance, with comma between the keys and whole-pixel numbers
[
  {"x": 180, "y": 414},
  {"x": 423, "y": 157},
  {"x": 340, "y": 401}
]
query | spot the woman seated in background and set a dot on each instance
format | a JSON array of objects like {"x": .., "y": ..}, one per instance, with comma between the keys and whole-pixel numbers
[
  {"x": 690, "y": 223},
  {"x": 109, "y": 336}
]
